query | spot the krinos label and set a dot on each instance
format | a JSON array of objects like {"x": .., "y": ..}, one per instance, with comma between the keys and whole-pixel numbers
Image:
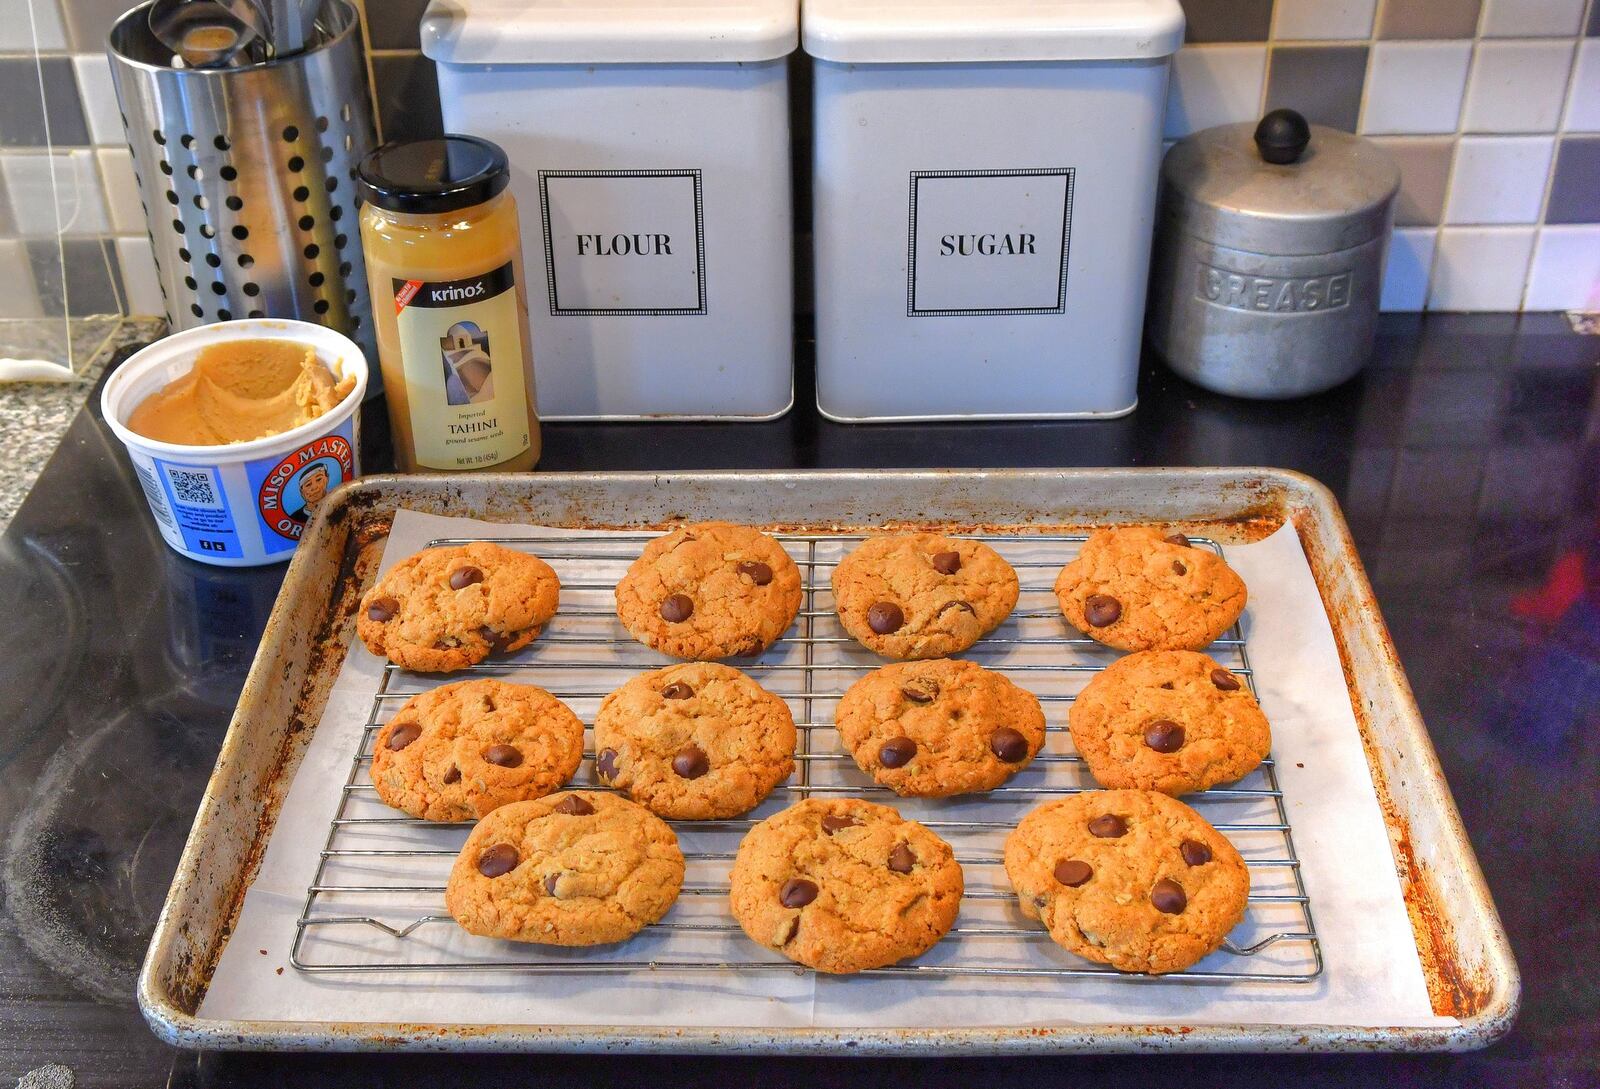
[{"x": 461, "y": 347}]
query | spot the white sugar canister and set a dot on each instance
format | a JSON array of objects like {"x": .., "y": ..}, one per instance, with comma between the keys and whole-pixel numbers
[
  {"x": 984, "y": 181},
  {"x": 649, "y": 151}
]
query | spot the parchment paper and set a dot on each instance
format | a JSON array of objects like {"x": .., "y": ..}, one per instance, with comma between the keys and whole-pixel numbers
[{"x": 1371, "y": 977}]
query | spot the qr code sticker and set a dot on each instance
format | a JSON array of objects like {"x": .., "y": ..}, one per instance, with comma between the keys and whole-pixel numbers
[{"x": 194, "y": 487}]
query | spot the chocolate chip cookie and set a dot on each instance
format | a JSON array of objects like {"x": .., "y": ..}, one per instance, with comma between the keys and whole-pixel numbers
[
  {"x": 448, "y": 608},
  {"x": 921, "y": 595},
  {"x": 710, "y": 590},
  {"x": 461, "y": 750},
  {"x": 1168, "y": 720},
  {"x": 699, "y": 741},
  {"x": 842, "y": 885},
  {"x": 580, "y": 868},
  {"x": 1129, "y": 878},
  {"x": 931, "y": 729},
  {"x": 1140, "y": 588}
]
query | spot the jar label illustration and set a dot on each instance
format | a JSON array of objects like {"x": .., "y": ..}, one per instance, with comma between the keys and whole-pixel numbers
[
  {"x": 466, "y": 411},
  {"x": 988, "y": 242},
  {"x": 288, "y": 490},
  {"x": 623, "y": 242}
]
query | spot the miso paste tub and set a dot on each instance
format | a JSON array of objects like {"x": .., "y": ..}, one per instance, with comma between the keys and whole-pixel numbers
[{"x": 243, "y": 504}]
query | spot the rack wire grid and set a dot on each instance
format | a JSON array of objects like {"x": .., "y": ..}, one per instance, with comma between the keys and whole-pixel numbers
[{"x": 376, "y": 903}]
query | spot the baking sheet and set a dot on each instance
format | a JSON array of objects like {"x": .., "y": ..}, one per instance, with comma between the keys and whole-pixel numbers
[{"x": 1372, "y": 976}]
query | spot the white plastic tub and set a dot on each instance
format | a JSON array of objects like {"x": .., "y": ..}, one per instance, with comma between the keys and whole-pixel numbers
[
  {"x": 984, "y": 184},
  {"x": 239, "y": 505},
  {"x": 649, "y": 148}
]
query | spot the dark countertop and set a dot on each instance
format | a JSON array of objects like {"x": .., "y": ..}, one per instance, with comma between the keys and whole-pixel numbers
[{"x": 1468, "y": 461}]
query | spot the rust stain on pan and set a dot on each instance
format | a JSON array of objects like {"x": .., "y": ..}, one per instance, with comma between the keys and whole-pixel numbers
[
  {"x": 1454, "y": 989},
  {"x": 328, "y": 643}
]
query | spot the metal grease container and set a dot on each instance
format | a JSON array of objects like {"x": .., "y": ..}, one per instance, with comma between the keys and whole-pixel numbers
[{"x": 1269, "y": 254}]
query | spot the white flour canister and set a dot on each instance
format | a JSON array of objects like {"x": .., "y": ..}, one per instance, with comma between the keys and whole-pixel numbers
[
  {"x": 983, "y": 190},
  {"x": 649, "y": 150}
]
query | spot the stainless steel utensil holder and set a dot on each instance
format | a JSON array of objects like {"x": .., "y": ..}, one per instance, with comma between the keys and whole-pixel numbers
[{"x": 247, "y": 176}]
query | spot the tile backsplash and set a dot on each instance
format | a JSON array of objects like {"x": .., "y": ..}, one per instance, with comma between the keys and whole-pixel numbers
[{"x": 1490, "y": 107}]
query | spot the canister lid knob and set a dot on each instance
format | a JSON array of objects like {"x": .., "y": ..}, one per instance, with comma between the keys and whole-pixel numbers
[{"x": 1282, "y": 136}]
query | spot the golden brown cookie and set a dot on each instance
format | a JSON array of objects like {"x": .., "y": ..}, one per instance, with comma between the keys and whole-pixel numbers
[
  {"x": 699, "y": 741},
  {"x": 710, "y": 590},
  {"x": 458, "y": 751},
  {"x": 1129, "y": 878},
  {"x": 1139, "y": 588},
  {"x": 1168, "y": 720},
  {"x": 842, "y": 885},
  {"x": 448, "y": 608},
  {"x": 922, "y": 595},
  {"x": 933, "y": 729},
  {"x": 580, "y": 868}
]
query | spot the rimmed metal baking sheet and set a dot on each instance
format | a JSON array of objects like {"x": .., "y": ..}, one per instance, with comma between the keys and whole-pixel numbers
[{"x": 1465, "y": 957}]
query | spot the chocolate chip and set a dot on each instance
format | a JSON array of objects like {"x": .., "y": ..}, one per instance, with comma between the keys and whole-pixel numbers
[
  {"x": 1008, "y": 745},
  {"x": 1178, "y": 568},
  {"x": 1224, "y": 680},
  {"x": 1167, "y": 685},
  {"x": 574, "y": 806},
  {"x": 1072, "y": 873},
  {"x": 498, "y": 641},
  {"x": 897, "y": 752},
  {"x": 1177, "y": 539},
  {"x": 920, "y": 691},
  {"x": 901, "y": 859},
  {"x": 947, "y": 563},
  {"x": 499, "y": 859},
  {"x": 1108, "y": 826},
  {"x": 1101, "y": 609},
  {"x": 1194, "y": 852},
  {"x": 677, "y": 608},
  {"x": 885, "y": 617},
  {"x": 1164, "y": 736},
  {"x": 383, "y": 609},
  {"x": 964, "y": 606},
  {"x": 836, "y": 822},
  {"x": 691, "y": 762},
  {"x": 606, "y": 763},
  {"x": 677, "y": 690},
  {"x": 797, "y": 892},
  {"x": 503, "y": 756},
  {"x": 403, "y": 735},
  {"x": 788, "y": 929},
  {"x": 759, "y": 573},
  {"x": 550, "y": 883},
  {"x": 462, "y": 577},
  {"x": 1168, "y": 896},
  {"x": 453, "y": 775}
]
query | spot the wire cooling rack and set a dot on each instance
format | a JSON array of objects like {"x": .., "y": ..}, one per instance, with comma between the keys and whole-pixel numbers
[{"x": 376, "y": 903}]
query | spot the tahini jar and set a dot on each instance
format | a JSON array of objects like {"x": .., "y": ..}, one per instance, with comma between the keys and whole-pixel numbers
[{"x": 444, "y": 264}]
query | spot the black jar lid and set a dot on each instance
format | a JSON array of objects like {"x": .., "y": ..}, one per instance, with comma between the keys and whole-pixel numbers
[{"x": 438, "y": 174}]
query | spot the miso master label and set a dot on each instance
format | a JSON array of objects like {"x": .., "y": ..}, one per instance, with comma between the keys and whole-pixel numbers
[
  {"x": 623, "y": 242},
  {"x": 461, "y": 346},
  {"x": 988, "y": 242}
]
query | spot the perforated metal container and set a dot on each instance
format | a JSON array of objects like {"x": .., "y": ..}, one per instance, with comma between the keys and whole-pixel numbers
[{"x": 246, "y": 174}]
